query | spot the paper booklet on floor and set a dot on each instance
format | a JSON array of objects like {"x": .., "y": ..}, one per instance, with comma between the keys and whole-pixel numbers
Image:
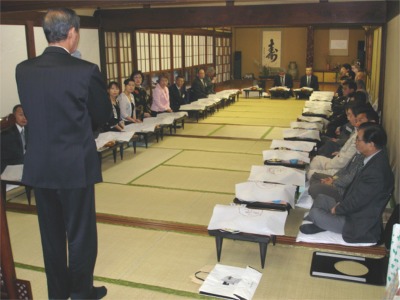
[
  {"x": 231, "y": 282},
  {"x": 12, "y": 173},
  {"x": 239, "y": 218},
  {"x": 265, "y": 192}
]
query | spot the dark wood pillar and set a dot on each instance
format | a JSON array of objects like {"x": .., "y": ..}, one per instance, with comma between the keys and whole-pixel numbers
[
  {"x": 310, "y": 47},
  {"x": 103, "y": 59},
  {"x": 30, "y": 39},
  {"x": 369, "y": 41},
  {"x": 382, "y": 70}
]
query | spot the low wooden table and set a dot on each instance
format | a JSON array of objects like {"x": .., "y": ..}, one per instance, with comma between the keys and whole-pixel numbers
[
  {"x": 28, "y": 189},
  {"x": 247, "y": 92},
  {"x": 262, "y": 240},
  {"x": 302, "y": 94},
  {"x": 281, "y": 94}
]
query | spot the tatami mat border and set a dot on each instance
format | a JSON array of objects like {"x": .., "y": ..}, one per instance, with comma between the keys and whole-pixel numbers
[
  {"x": 220, "y": 138},
  {"x": 179, "y": 189}
]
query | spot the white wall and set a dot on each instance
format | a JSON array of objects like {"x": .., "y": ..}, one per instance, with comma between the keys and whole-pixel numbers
[
  {"x": 13, "y": 50},
  {"x": 88, "y": 44},
  {"x": 391, "y": 112}
]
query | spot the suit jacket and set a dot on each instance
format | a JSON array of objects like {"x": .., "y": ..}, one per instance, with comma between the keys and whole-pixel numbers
[
  {"x": 64, "y": 99},
  {"x": 313, "y": 82},
  {"x": 365, "y": 200},
  {"x": 209, "y": 85},
  {"x": 288, "y": 81},
  {"x": 12, "y": 152},
  {"x": 176, "y": 97},
  {"x": 199, "y": 90}
]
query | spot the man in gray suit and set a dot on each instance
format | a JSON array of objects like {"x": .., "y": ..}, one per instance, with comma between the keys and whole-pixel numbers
[
  {"x": 358, "y": 217},
  {"x": 65, "y": 100}
]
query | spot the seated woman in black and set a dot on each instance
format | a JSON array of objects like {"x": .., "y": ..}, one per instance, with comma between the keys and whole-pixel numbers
[
  {"x": 142, "y": 99},
  {"x": 115, "y": 123}
]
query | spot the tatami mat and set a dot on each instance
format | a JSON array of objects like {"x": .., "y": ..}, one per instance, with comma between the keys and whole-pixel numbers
[
  {"x": 215, "y": 160},
  {"x": 235, "y": 131},
  {"x": 135, "y": 165},
  {"x": 192, "y": 179},
  {"x": 158, "y": 204},
  {"x": 275, "y": 134},
  {"x": 167, "y": 259},
  {"x": 198, "y": 129},
  {"x": 267, "y": 121},
  {"x": 259, "y": 147},
  {"x": 209, "y": 144},
  {"x": 114, "y": 291}
]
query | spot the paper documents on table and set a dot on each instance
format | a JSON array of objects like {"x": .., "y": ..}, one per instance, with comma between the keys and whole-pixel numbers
[
  {"x": 12, "y": 173},
  {"x": 231, "y": 282},
  {"x": 239, "y": 218},
  {"x": 255, "y": 191},
  {"x": 293, "y": 145},
  {"x": 278, "y": 174},
  {"x": 286, "y": 155},
  {"x": 301, "y": 134}
]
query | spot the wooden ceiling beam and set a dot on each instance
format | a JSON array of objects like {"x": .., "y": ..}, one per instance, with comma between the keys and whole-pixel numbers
[
  {"x": 317, "y": 14},
  {"x": 28, "y": 5}
]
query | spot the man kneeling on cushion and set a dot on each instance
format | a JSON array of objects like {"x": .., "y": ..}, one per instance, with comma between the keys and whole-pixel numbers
[{"x": 358, "y": 217}]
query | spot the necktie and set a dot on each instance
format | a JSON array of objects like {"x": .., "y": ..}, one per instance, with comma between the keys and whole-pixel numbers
[
  {"x": 23, "y": 138},
  {"x": 308, "y": 80},
  {"x": 282, "y": 81}
]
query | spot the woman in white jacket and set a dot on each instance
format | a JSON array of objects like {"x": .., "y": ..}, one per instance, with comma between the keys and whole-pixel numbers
[{"x": 127, "y": 103}]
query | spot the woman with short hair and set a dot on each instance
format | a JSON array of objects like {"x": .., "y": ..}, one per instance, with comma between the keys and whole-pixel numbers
[{"x": 127, "y": 103}]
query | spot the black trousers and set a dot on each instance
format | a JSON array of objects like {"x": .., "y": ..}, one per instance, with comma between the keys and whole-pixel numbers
[{"x": 67, "y": 221}]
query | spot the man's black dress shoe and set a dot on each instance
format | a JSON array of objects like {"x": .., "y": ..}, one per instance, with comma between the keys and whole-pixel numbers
[
  {"x": 310, "y": 229},
  {"x": 98, "y": 292}
]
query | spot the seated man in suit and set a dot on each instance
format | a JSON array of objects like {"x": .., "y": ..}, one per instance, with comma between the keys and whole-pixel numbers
[
  {"x": 358, "y": 217},
  {"x": 335, "y": 186},
  {"x": 199, "y": 86},
  {"x": 177, "y": 93},
  {"x": 357, "y": 114},
  {"x": 309, "y": 80},
  {"x": 338, "y": 117},
  {"x": 210, "y": 80},
  {"x": 346, "y": 70},
  {"x": 283, "y": 79},
  {"x": 13, "y": 140}
]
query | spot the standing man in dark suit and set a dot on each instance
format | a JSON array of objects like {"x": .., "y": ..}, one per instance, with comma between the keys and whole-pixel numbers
[
  {"x": 358, "y": 217},
  {"x": 177, "y": 93},
  {"x": 199, "y": 87},
  {"x": 309, "y": 80},
  {"x": 13, "y": 140},
  {"x": 65, "y": 99},
  {"x": 283, "y": 79}
]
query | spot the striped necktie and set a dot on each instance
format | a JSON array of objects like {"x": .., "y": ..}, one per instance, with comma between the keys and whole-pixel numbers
[{"x": 23, "y": 138}]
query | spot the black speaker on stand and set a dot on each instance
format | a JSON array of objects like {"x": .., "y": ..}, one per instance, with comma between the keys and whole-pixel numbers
[{"x": 237, "y": 65}]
